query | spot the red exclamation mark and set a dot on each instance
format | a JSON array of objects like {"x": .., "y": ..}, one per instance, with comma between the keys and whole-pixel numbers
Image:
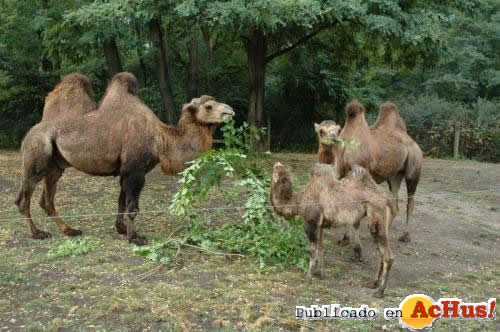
[{"x": 492, "y": 309}]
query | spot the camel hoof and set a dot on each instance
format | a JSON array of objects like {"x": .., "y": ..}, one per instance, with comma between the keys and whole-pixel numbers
[
  {"x": 121, "y": 228},
  {"x": 344, "y": 242},
  {"x": 73, "y": 232},
  {"x": 405, "y": 237},
  {"x": 40, "y": 235},
  {"x": 139, "y": 240},
  {"x": 379, "y": 294}
]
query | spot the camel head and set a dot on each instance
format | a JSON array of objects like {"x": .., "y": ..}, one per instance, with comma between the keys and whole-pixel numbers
[
  {"x": 328, "y": 132},
  {"x": 208, "y": 111},
  {"x": 281, "y": 181}
]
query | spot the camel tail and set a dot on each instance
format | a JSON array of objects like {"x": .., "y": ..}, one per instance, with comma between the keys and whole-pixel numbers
[{"x": 413, "y": 168}]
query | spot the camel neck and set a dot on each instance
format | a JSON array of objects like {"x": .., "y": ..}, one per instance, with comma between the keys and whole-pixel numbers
[
  {"x": 325, "y": 154},
  {"x": 180, "y": 144},
  {"x": 284, "y": 201}
]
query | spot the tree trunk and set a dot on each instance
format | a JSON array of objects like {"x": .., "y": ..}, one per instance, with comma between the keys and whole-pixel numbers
[
  {"x": 256, "y": 47},
  {"x": 192, "y": 89},
  {"x": 112, "y": 57},
  {"x": 456, "y": 140},
  {"x": 162, "y": 71},
  {"x": 210, "y": 51},
  {"x": 140, "y": 55},
  {"x": 45, "y": 64}
]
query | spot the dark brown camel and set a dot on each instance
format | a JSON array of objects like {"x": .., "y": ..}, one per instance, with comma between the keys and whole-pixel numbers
[{"x": 123, "y": 138}]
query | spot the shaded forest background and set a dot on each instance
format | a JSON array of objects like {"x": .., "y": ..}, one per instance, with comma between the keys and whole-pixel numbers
[{"x": 281, "y": 64}]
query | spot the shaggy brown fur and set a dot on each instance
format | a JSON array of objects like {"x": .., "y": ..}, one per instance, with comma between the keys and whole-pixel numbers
[
  {"x": 73, "y": 96},
  {"x": 326, "y": 202},
  {"x": 124, "y": 138},
  {"x": 385, "y": 150}
]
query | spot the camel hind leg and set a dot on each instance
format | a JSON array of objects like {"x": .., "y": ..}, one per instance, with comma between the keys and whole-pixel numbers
[
  {"x": 411, "y": 187},
  {"x": 23, "y": 202},
  {"x": 379, "y": 229},
  {"x": 47, "y": 200},
  {"x": 313, "y": 227}
]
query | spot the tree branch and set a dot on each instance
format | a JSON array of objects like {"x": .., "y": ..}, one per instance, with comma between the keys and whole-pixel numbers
[{"x": 317, "y": 29}]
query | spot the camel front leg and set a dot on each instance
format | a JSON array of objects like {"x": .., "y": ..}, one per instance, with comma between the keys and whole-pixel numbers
[
  {"x": 47, "y": 201},
  {"x": 122, "y": 200},
  {"x": 357, "y": 250},
  {"x": 314, "y": 232},
  {"x": 132, "y": 186},
  {"x": 346, "y": 240}
]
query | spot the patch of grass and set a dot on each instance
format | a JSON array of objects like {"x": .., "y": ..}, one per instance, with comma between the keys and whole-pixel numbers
[
  {"x": 10, "y": 278},
  {"x": 72, "y": 248},
  {"x": 335, "y": 271}
]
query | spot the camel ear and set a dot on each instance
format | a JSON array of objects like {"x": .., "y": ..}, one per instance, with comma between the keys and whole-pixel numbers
[
  {"x": 192, "y": 107},
  {"x": 316, "y": 127}
]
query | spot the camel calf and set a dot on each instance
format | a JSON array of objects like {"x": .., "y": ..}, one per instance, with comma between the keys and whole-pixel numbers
[{"x": 326, "y": 202}]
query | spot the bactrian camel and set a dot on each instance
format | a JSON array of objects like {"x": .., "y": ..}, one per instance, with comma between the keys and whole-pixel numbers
[
  {"x": 385, "y": 149},
  {"x": 122, "y": 138},
  {"x": 327, "y": 201}
]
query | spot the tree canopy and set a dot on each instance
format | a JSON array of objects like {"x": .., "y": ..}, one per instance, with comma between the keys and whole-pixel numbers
[{"x": 282, "y": 64}]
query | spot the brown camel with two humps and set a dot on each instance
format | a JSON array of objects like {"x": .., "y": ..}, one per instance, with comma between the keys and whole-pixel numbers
[
  {"x": 122, "y": 138},
  {"x": 385, "y": 149}
]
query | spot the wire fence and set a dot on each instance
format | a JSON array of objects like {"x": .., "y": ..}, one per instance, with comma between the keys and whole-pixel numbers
[{"x": 246, "y": 207}]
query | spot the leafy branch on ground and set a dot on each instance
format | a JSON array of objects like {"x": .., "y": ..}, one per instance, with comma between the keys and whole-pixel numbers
[
  {"x": 257, "y": 235},
  {"x": 73, "y": 247}
]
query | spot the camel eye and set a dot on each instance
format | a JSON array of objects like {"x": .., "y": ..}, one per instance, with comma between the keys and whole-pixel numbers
[
  {"x": 322, "y": 132},
  {"x": 208, "y": 107}
]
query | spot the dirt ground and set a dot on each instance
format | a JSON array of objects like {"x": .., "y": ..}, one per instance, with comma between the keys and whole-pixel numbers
[{"x": 453, "y": 253}]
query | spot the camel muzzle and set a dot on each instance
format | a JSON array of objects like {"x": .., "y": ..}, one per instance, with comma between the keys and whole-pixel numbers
[{"x": 227, "y": 113}]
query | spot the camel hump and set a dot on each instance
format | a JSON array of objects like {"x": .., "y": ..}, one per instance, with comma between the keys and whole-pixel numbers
[
  {"x": 73, "y": 95},
  {"x": 361, "y": 174},
  {"x": 126, "y": 81},
  {"x": 354, "y": 108},
  {"x": 76, "y": 82},
  {"x": 320, "y": 170},
  {"x": 389, "y": 117}
]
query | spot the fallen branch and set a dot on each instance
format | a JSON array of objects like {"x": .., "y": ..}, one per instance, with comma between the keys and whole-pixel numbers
[{"x": 211, "y": 251}]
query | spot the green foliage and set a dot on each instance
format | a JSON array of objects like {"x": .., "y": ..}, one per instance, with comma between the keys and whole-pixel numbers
[
  {"x": 202, "y": 174},
  {"x": 257, "y": 235},
  {"x": 271, "y": 244},
  {"x": 431, "y": 120},
  {"x": 73, "y": 247},
  {"x": 159, "y": 251},
  {"x": 371, "y": 50}
]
